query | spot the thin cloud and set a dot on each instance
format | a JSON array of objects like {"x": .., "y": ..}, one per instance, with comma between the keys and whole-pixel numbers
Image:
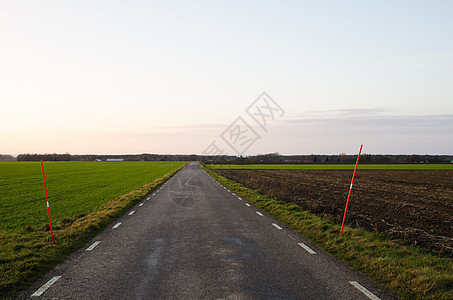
[
  {"x": 336, "y": 131},
  {"x": 367, "y": 117}
]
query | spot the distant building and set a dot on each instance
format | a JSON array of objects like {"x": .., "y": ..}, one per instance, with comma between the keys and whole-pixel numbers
[
  {"x": 97, "y": 159},
  {"x": 114, "y": 159}
]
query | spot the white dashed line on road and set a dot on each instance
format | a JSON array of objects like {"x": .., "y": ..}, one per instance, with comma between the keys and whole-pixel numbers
[
  {"x": 364, "y": 290},
  {"x": 44, "y": 288},
  {"x": 239, "y": 198},
  {"x": 141, "y": 204},
  {"x": 116, "y": 225},
  {"x": 93, "y": 246},
  {"x": 308, "y": 249},
  {"x": 247, "y": 204},
  {"x": 259, "y": 214},
  {"x": 276, "y": 226},
  {"x": 131, "y": 213}
]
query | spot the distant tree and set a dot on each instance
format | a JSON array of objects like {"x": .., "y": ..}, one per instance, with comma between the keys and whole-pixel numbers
[
  {"x": 45, "y": 157},
  {"x": 6, "y": 157},
  {"x": 367, "y": 158},
  {"x": 413, "y": 158}
]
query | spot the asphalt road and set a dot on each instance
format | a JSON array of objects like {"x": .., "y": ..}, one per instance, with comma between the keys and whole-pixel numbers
[{"x": 195, "y": 239}]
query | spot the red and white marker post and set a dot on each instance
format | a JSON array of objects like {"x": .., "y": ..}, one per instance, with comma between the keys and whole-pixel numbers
[
  {"x": 47, "y": 201},
  {"x": 350, "y": 190}
]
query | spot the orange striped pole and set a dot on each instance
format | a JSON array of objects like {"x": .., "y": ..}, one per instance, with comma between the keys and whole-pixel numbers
[
  {"x": 350, "y": 190},
  {"x": 47, "y": 201}
]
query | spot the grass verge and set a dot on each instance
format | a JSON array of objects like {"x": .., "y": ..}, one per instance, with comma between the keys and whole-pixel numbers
[
  {"x": 405, "y": 270},
  {"x": 28, "y": 253}
]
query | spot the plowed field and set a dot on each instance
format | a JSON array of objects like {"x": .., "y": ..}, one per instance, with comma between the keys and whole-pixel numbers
[{"x": 411, "y": 205}]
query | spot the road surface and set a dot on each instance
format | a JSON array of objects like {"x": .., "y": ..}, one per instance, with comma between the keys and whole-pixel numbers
[{"x": 194, "y": 239}]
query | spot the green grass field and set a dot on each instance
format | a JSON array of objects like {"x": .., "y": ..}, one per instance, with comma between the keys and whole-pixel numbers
[
  {"x": 84, "y": 197},
  {"x": 73, "y": 187},
  {"x": 339, "y": 167}
]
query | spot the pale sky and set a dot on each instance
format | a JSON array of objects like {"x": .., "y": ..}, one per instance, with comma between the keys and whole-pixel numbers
[{"x": 170, "y": 76}]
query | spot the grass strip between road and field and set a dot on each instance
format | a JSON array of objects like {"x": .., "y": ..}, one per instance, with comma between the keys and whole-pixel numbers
[
  {"x": 29, "y": 253},
  {"x": 405, "y": 270}
]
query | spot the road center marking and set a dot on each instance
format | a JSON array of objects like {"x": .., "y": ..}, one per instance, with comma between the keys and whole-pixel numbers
[
  {"x": 239, "y": 198},
  {"x": 259, "y": 214},
  {"x": 116, "y": 225},
  {"x": 44, "y": 288},
  {"x": 276, "y": 226},
  {"x": 308, "y": 249},
  {"x": 131, "y": 213},
  {"x": 247, "y": 204},
  {"x": 364, "y": 290},
  {"x": 93, "y": 246},
  {"x": 141, "y": 204}
]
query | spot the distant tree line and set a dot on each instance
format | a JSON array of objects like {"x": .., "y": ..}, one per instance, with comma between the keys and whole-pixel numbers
[
  {"x": 46, "y": 157},
  {"x": 93, "y": 157},
  {"x": 138, "y": 157},
  {"x": 276, "y": 158},
  {"x": 6, "y": 157},
  {"x": 271, "y": 158}
]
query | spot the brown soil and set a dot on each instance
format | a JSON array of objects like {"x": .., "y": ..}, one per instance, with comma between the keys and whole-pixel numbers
[{"x": 414, "y": 206}]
